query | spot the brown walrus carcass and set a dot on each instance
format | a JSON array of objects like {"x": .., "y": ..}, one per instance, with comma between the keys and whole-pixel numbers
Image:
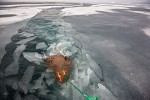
[{"x": 60, "y": 65}]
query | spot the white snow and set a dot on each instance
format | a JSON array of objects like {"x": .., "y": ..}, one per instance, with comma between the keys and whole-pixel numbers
[
  {"x": 94, "y": 9},
  {"x": 22, "y": 12}
]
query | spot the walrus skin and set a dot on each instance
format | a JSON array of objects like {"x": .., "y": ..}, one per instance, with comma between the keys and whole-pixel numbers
[{"x": 61, "y": 66}]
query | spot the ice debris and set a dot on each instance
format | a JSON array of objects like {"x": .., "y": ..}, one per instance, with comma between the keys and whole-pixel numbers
[
  {"x": 104, "y": 93},
  {"x": 25, "y": 34},
  {"x": 13, "y": 67},
  {"x": 33, "y": 56},
  {"x": 31, "y": 97},
  {"x": 17, "y": 96},
  {"x": 41, "y": 45},
  {"x": 24, "y": 84},
  {"x": 24, "y": 41}
]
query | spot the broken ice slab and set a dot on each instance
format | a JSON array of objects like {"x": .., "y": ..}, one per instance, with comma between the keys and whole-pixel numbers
[
  {"x": 24, "y": 41},
  {"x": 49, "y": 70},
  {"x": 65, "y": 89},
  {"x": 24, "y": 84},
  {"x": 18, "y": 51},
  {"x": 89, "y": 71},
  {"x": 13, "y": 67},
  {"x": 81, "y": 73},
  {"x": 104, "y": 93},
  {"x": 75, "y": 71},
  {"x": 48, "y": 97},
  {"x": 63, "y": 47},
  {"x": 32, "y": 56},
  {"x": 43, "y": 90},
  {"x": 38, "y": 83},
  {"x": 17, "y": 96},
  {"x": 50, "y": 81},
  {"x": 95, "y": 67},
  {"x": 75, "y": 93},
  {"x": 25, "y": 34},
  {"x": 3, "y": 90},
  {"x": 85, "y": 80},
  {"x": 31, "y": 97},
  {"x": 41, "y": 45},
  {"x": 15, "y": 85}
]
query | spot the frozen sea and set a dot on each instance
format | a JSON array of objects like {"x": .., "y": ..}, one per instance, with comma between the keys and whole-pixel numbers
[{"x": 108, "y": 44}]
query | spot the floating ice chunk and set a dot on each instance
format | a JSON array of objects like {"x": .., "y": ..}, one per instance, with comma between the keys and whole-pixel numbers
[
  {"x": 25, "y": 81},
  {"x": 32, "y": 56},
  {"x": 25, "y": 34},
  {"x": 92, "y": 87},
  {"x": 18, "y": 51},
  {"x": 41, "y": 45},
  {"x": 39, "y": 56},
  {"x": 48, "y": 97},
  {"x": 63, "y": 47},
  {"x": 49, "y": 70},
  {"x": 15, "y": 85},
  {"x": 75, "y": 71},
  {"x": 31, "y": 97},
  {"x": 24, "y": 41},
  {"x": 17, "y": 96},
  {"x": 95, "y": 67},
  {"x": 13, "y": 67},
  {"x": 89, "y": 71},
  {"x": 81, "y": 73},
  {"x": 75, "y": 94},
  {"x": 104, "y": 93},
  {"x": 38, "y": 83},
  {"x": 50, "y": 81},
  {"x": 65, "y": 89},
  {"x": 3, "y": 90},
  {"x": 85, "y": 80}
]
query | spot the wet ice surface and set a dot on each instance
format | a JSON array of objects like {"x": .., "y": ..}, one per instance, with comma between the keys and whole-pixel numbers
[{"x": 44, "y": 35}]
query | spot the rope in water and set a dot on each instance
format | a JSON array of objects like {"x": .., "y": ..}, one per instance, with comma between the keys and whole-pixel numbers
[{"x": 85, "y": 96}]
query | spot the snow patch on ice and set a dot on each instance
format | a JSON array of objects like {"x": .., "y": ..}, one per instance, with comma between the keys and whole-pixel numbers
[{"x": 94, "y": 9}]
